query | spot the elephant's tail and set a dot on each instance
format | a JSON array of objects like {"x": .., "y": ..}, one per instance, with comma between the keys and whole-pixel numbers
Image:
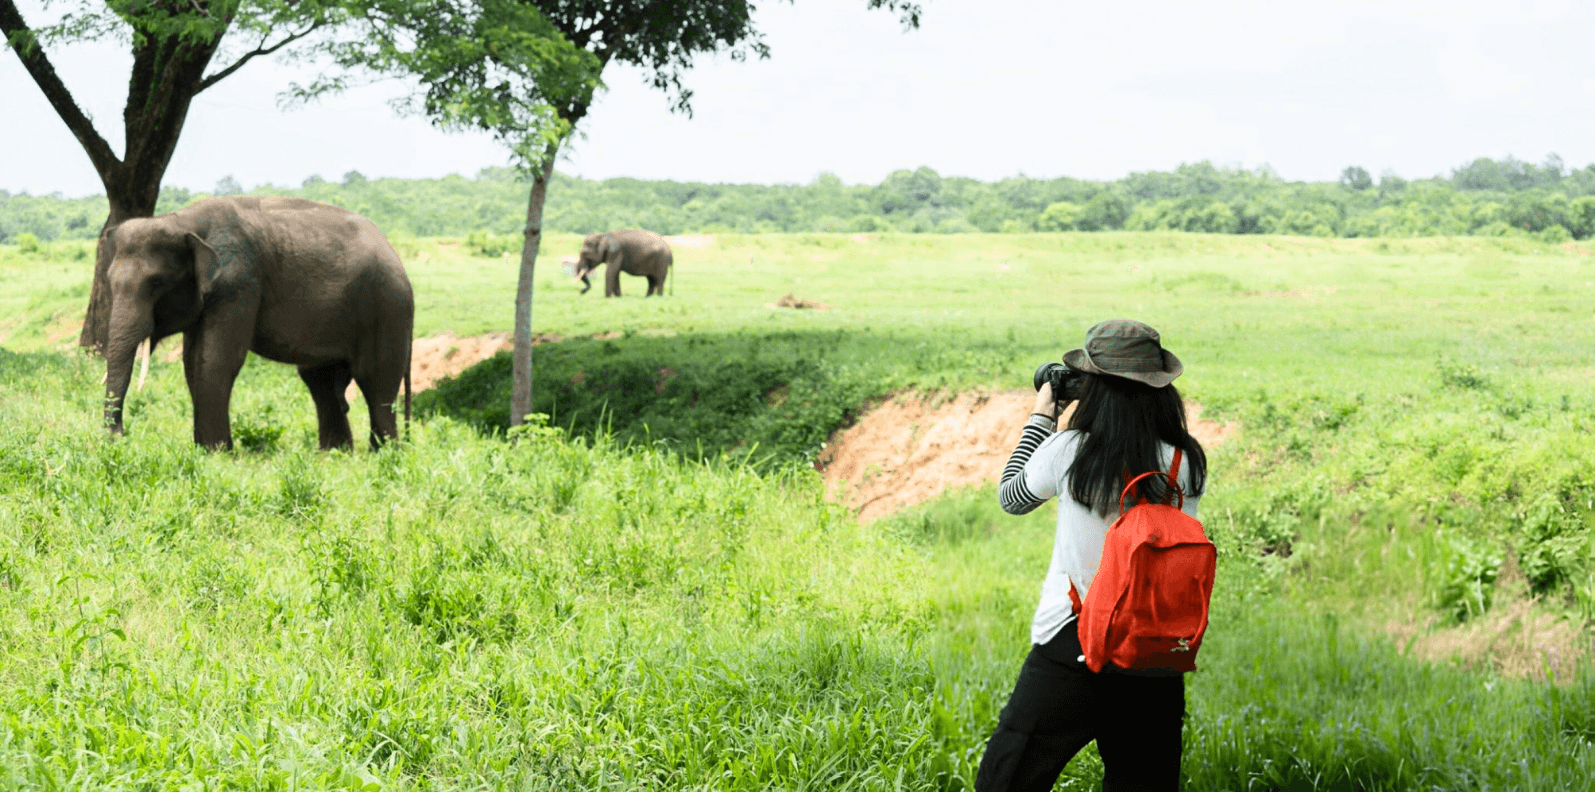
[
  {"x": 407, "y": 391},
  {"x": 672, "y": 266}
]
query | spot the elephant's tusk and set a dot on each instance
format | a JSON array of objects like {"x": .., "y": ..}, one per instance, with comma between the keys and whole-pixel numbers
[{"x": 144, "y": 364}]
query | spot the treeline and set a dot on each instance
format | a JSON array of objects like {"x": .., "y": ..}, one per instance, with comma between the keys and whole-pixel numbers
[{"x": 1484, "y": 197}]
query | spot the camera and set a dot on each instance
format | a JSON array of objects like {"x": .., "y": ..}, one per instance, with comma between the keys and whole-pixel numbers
[{"x": 1067, "y": 384}]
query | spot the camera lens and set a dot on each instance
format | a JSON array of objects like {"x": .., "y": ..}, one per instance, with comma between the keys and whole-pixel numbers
[{"x": 1049, "y": 372}]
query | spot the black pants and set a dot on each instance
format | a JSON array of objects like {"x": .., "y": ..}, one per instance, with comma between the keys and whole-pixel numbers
[{"x": 1058, "y": 706}]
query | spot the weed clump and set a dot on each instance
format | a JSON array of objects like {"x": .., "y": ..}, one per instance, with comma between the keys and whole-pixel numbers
[
  {"x": 1466, "y": 376},
  {"x": 702, "y": 398}
]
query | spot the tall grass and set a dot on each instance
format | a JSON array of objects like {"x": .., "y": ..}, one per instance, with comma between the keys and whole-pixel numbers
[
  {"x": 467, "y": 612},
  {"x": 611, "y": 608},
  {"x": 456, "y": 611}
]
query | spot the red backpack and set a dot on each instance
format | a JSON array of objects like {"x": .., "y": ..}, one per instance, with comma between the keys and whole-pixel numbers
[{"x": 1147, "y": 608}]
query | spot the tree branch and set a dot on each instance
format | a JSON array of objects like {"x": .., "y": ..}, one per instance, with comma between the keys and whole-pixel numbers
[
  {"x": 248, "y": 56},
  {"x": 26, "y": 45}
]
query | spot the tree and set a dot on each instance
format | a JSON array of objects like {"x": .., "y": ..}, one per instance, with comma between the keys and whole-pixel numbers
[
  {"x": 1554, "y": 168},
  {"x": 1390, "y": 184},
  {"x": 1581, "y": 217},
  {"x": 1061, "y": 216},
  {"x": 173, "y": 42},
  {"x": 1107, "y": 210},
  {"x": 527, "y": 71},
  {"x": 1355, "y": 178}
]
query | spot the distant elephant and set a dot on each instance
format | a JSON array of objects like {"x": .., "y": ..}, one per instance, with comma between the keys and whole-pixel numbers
[
  {"x": 632, "y": 251},
  {"x": 295, "y": 281}
]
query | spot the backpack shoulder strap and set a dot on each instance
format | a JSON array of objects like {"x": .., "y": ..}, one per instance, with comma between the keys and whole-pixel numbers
[
  {"x": 1173, "y": 477},
  {"x": 1174, "y": 473},
  {"x": 1175, "y": 490}
]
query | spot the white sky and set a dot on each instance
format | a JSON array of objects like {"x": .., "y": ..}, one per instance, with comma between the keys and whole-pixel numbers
[{"x": 986, "y": 88}]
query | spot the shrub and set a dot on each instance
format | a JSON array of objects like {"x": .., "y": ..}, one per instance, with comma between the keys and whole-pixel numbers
[
  {"x": 1555, "y": 235},
  {"x": 1466, "y": 376},
  {"x": 1555, "y": 544},
  {"x": 1061, "y": 216},
  {"x": 869, "y": 224},
  {"x": 1581, "y": 217},
  {"x": 1107, "y": 210},
  {"x": 1214, "y": 218},
  {"x": 258, "y": 432},
  {"x": 1496, "y": 228},
  {"x": 1313, "y": 221},
  {"x": 1466, "y": 582},
  {"x": 483, "y": 243}
]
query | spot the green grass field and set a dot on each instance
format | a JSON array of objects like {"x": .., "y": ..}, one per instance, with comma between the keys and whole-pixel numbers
[{"x": 651, "y": 596}]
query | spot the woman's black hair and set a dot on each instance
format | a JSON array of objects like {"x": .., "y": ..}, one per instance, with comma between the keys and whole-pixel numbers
[{"x": 1123, "y": 424}]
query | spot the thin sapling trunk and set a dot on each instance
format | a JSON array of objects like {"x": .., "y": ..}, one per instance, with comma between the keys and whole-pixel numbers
[{"x": 521, "y": 369}]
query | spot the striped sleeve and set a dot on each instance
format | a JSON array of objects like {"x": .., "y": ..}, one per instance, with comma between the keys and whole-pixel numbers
[{"x": 1012, "y": 493}]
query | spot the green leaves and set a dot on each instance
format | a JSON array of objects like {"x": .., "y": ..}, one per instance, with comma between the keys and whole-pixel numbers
[
  {"x": 526, "y": 72},
  {"x": 498, "y": 66},
  {"x": 1465, "y": 582}
]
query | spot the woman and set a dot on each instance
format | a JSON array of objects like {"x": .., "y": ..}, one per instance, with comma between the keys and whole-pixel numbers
[{"x": 1129, "y": 421}]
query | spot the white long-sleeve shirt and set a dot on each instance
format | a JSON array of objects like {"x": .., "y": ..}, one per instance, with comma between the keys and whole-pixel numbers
[{"x": 1038, "y": 470}]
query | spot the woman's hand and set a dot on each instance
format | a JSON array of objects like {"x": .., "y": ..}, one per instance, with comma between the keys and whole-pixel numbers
[{"x": 1045, "y": 404}]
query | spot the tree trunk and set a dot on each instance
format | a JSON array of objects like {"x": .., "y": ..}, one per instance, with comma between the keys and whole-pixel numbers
[
  {"x": 521, "y": 370},
  {"x": 169, "y": 63},
  {"x": 157, "y": 107}
]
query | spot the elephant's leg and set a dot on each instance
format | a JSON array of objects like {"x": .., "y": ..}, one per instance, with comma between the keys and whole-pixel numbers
[
  {"x": 380, "y": 391},
  {"x": 656, "y": 285},
  {"x": 211, "y": 362},
  {"x": 380, "y": 364},
  {"x": 612, "y": 280},
  {"x": 327, "y": 384}
]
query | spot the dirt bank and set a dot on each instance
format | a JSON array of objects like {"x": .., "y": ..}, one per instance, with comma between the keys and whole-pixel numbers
[
  {"x": 912, "y": 447},
  {"x": 442, "y": 356}
]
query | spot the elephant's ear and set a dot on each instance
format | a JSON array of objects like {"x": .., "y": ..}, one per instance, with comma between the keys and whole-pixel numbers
[{"x": 204, "y": 264}]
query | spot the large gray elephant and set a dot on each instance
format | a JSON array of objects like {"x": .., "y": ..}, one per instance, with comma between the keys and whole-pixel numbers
[
  {"x": 632, "y": 251},
  {"x": 295, "y": 281}
]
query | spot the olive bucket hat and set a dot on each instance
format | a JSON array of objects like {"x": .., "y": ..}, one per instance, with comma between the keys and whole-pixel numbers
[{"x": 1128, "y": 349}]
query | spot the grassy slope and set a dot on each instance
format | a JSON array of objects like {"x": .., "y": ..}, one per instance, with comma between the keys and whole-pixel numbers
[{"x": 466, "y": 612}]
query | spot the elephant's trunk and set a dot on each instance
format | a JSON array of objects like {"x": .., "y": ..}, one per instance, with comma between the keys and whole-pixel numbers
[{"x": 130, "y": 325}]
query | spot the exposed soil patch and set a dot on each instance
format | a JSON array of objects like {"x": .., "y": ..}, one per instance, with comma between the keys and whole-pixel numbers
[
  {"x": 912, "y": 447},
  {"x": 694, "y": 242},
  {"x": 1514, "y": 640},
  {"x": 441, "y": 356},
  {"x": 790, "y": 301},
  {"x": 435, "y": 358}
]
